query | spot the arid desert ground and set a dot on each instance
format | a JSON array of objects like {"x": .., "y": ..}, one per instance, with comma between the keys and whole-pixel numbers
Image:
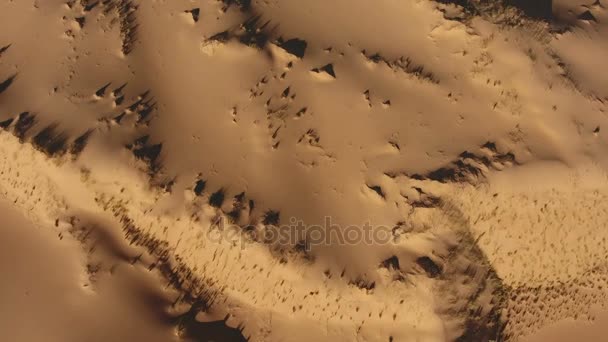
[{"x": 320, "y": 170}]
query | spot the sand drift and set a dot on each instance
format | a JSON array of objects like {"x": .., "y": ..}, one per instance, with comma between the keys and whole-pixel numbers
[{"x": 303, "y": 171}]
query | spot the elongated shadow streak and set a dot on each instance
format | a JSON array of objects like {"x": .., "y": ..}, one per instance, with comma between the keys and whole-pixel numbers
[
  {"x": 7, "y": 83},
  {"x": 467, "y": 267},
  {"x": 190, "y": 328},
  {"x": 4, "y": 48}
]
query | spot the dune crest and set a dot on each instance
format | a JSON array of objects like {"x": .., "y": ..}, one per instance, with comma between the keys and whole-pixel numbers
[{"x": 331, "y": 171}]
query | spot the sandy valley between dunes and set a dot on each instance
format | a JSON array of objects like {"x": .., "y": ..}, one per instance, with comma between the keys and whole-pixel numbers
[{"x": 275, "y": 170}]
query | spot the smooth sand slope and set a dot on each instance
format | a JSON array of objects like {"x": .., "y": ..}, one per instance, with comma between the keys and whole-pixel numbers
[{"x": 167, "y": 141}]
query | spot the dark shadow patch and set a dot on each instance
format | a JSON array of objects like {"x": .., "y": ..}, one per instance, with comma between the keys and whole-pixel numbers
[
  {"x": 50, "y": 141},
  {"x": 117, "y": 119},
  {"x": 80, "y": 21},
  {"x": 302, "y": 249},
  {"x": 128, "y": 25},
  {"x": 466, "y": 5},
  {"x": 328, "y": 69},
  {"x": 244, "y": 5},
  {"x": 295, "y": 46},
  {"x": 167, "y": 184},
  {"x": 4, "y": 48},
  {"x": 429, "y": 266},
  {"x": 426, "y": 201},
  {"x": 210, "y": 331},
  {"x": 144, "y": 111},
  {"x": 391, "y": 263},
  {"x": 403, "y": 64},
  {"x": 199, "y": 187},
  {"x": 198, "y": 291},
  {"x": 25, "y": 121},
  {"x": 378, "y": 190},
  {"x": 537, "y": 9},
  {"x": 490, "y": 146},
  {"x": 190, "y": 328},
  {"x": 195, "y": 12},
  {"x": 149, "y": 153},
  {"x": 494, "y": 10},
  {"x": 363, "y": 284},
  {"x": 217, "y": 198},
  {"x": 119, "y": 100},
  {"x": 7, "y": 83},
  {"x": 89, "y": 5},
  {"x": 587, "y": 16},
  {"x": 272, "y": 217},
  {"x": 6, "y": 123},
  {"x": 254, "y": 33},
  {"x": 220, "y": 37},
  {"x": 301, "y": 112},
  {"x": 126, "y": 10},
  {"x": 483, "y": 305},
  {"x": 239, "y": 205},
  {"x": 79, "y": 143},
  {"x": 469, "y": 166},
  {"x": 101, "y": 92},
  {"x": 119, "y": 91}
]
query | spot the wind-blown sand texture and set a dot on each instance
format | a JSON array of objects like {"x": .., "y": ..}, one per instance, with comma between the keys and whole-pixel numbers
[{"x": 149, "y": 147}]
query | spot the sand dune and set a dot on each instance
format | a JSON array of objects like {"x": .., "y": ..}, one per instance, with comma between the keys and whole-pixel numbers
[{"x": 292, "y": 171}]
